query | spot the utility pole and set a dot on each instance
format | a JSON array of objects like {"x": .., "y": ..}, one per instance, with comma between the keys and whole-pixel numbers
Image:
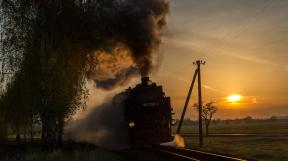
[
  {"x": 197, "y": 73},
  {"x": 187, "y": 102},
  {"x": 198, "y": 63}
]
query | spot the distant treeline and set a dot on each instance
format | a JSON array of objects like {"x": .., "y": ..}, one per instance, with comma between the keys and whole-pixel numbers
[{"x": 245, "y": 120}]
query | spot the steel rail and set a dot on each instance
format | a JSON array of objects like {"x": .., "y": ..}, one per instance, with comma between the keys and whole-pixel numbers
[
  {"x": 179, "y": 156},
  {"x": 196, "y": 154}
]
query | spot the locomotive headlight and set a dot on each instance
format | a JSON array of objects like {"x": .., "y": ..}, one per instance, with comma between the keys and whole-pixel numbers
[{"x": 131, "y": 124}]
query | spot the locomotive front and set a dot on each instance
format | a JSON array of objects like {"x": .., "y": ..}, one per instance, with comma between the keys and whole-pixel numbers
[{"x": 148, "y": 114}]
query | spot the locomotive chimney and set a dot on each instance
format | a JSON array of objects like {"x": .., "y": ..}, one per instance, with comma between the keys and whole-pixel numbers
[{"x": 145, "y": 80}]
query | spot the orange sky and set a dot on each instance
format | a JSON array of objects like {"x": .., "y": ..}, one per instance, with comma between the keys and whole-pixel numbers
[
  {"x": 244, "y": 43},
  {"x": 245, "y": 46}
]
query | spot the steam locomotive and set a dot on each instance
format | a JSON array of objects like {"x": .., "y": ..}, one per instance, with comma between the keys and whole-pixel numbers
[{"x": 148, "y": 114}]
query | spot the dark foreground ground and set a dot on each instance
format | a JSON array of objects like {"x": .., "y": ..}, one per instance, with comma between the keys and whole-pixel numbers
[
  {"x": 82, "y": 152},
  {"x": 265, "y": 142},
  {"x": 77, "y": 152},
  {"x": 68, "y": 152}
]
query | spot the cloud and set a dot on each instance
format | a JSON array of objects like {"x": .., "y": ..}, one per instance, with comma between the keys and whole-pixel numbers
[
  {"x": 209, "y": 88},
  {"x": 212, "y": 46},
  {"x": 255, "y": 59},
  {"x": 183, "y": 79}
]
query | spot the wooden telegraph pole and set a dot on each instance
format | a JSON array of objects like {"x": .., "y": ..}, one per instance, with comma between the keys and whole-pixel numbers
[
  {"x": 198, "y": 63},
  {"x": 196, "y": 74}
]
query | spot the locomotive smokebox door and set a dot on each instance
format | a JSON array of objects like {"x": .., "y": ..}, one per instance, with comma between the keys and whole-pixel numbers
[{"x": 148, "y": 114}]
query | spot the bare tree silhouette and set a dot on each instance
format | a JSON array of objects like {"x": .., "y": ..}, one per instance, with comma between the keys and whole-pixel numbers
[{"x": 208, "y": 111}]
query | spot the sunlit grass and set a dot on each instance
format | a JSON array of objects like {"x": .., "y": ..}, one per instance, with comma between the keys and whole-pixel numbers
[
  {"x": 259, "y": 148},
  {"x": 267, "y": 128},
  {"x": 269, "y": 144}
]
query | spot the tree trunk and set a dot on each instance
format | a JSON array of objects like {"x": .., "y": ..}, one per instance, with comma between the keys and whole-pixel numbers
[
  {"x": 18, "y": 137},
  {"x": 43, "y": 130},
  {"x": 3, "y": 133},
  {"x": 25, "y": 135},
  {"x": 31, "y": 136},
  {"x": 60, "y": 131},
  {"x": 207, "y": 122},
  {"x": 207, "y": 129},
  {"x": 31, "y": 130},
  {"x": 49, "y": 129},
  {"x": 48, "y": 114}
]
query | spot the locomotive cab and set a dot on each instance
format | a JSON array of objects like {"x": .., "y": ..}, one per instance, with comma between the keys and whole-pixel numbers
[{"x": 148, "y": 114}]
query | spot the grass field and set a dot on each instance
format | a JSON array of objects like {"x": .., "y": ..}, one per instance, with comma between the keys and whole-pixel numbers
[{"x": 268, "y": 143}]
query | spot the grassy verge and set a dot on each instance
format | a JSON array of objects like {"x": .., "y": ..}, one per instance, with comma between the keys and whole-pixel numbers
[
  {"x": 269, "y": 144},
  {"x": 262, "y": 129},
  {"x": 259, "y": 148}
]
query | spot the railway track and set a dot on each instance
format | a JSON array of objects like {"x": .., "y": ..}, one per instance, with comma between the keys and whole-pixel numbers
[{"x": 184, "y": 154}]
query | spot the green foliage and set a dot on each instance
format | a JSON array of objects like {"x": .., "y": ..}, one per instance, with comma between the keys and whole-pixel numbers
[
  {"x": 45, "y": 57},
  {"x": 45, "y": 47}
]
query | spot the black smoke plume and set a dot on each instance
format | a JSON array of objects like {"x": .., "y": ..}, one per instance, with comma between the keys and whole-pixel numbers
[{"x": 135, "y": 28}]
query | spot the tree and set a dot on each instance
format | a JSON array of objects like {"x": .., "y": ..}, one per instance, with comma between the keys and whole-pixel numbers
[
  {"x": 47, "y": 60},
  {"x": 3, "y": 131},
  {"x": 208, "y": 111},
  {"x": 47, "y": 45}
]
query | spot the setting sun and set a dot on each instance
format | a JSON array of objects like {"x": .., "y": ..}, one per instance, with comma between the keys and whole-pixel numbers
[{"x": 234, "y": 98}]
